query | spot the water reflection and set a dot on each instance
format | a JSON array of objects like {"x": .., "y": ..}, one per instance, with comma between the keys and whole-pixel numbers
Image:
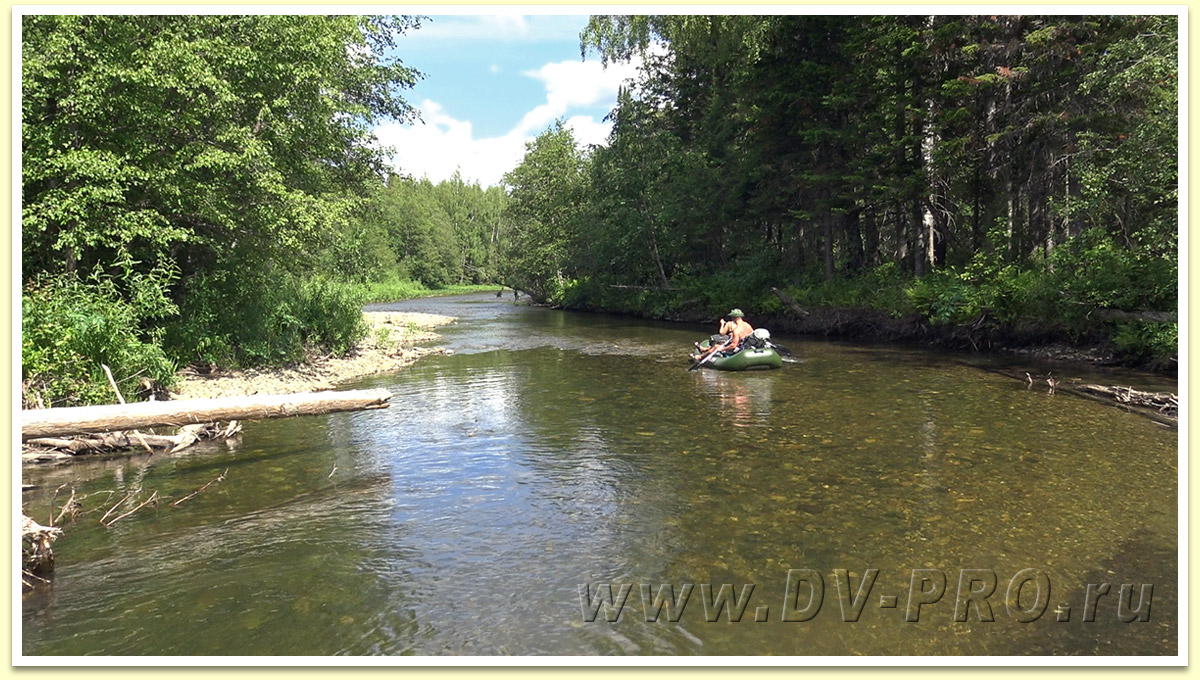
[{"x": 744, "y": 399}]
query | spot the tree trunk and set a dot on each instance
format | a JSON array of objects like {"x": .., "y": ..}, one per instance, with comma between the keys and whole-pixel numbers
[
  {"x": 854, "y": 244},
  {"x": 920, "y": 247},
  {"x": 871, "y": 256},
  {"x": 827, "y": 244},
  {"x": 118, "y": 417}
]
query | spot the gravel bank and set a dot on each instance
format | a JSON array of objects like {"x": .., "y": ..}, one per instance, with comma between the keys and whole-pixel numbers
[{"x": 391, "y": 343}]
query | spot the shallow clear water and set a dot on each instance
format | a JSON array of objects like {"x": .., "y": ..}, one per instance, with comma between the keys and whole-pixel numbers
[{"x": 553, "y": 450}]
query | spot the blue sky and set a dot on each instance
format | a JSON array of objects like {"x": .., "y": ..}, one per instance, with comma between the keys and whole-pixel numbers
[{"x": 491, "y": 84}]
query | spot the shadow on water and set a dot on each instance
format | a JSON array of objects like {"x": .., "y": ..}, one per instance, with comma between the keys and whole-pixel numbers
[{"x": 553, "y": 451}]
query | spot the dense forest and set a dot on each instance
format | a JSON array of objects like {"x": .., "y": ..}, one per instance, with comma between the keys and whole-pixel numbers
[
  {"x": 208, "y": 189},
  {"x": 967, "y": 170}
]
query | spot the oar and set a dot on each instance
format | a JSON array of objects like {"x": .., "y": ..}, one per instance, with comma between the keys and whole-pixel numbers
[
  {"x": 711, "y": 354},
  {"x": 783, "y": 350}
]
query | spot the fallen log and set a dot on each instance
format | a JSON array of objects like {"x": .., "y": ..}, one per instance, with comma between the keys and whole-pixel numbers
[
  {"x": 631, "y": 287},
  {"x": 53, "y": 422},
  {"x": 116, "y": 441},
  {"x": 787, "y": 300},
  {"x": 1162, "y": 402},
  {"x": 1120, "y": 315}
]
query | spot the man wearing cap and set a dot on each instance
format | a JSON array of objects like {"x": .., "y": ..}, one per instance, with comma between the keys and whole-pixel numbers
[{"x": 737, "y": 328}]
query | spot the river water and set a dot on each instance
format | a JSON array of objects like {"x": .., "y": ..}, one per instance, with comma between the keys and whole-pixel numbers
[{"x": 860, "y": 501}]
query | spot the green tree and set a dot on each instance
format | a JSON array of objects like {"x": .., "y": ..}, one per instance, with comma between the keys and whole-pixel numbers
[
  {"x": 474, "y": 216},
  {"x": 184, "y": 136},
  {"x": 545, "y": 190},
  {"x": 206, "y": 145}
]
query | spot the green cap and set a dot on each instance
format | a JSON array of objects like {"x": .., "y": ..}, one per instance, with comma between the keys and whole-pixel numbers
[{"x": 736, "y": 313}]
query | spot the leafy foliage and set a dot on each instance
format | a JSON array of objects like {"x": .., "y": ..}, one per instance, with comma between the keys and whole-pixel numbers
[
  {"x": 395, "y": 289},
  {"x": 235, "y": 151},
  {"x": 1147, "y": 341},
  {"x": 180, "y": 136},
  {"x": 70, "y": 328},
  {"x": 542, "y": 213},
  {"x": 251, "y": 318},
  {"x": 1094, "y": 271}
]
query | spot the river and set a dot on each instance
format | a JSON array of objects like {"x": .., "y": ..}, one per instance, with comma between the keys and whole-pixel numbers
[{"x": 863, "y": 500}]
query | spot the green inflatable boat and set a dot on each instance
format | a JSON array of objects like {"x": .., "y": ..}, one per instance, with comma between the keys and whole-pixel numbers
[{"x": 745, "y": 359}]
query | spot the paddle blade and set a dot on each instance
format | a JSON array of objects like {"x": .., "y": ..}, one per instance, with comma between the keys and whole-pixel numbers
[{"x": 781, "y": 349}]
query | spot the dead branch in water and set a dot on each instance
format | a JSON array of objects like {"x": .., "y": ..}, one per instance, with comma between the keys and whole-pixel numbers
[
  {"x": 153, "y": 497},
  {"x": 1051, "y": 381},
  {"x": 118, "y": 504},
  {"x": 220, "y": 478},
  {"x": 71, "y": 506},
  {"x": 118, "y": 441}
]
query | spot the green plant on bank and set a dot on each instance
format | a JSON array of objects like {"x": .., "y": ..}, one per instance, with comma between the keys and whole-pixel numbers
[
  {"x": 396, "y": 288},
  {"x": 1147, "y": 340},
  {"x": 70, "y": 328},
  {"x": 383, "y": 337},
  {"x": 1095, "y": 271},
  {"x": 882, "y": 287},
  {"x": 261, "y": 317}
]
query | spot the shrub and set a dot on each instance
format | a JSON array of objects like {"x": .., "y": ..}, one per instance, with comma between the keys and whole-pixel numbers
[
  {"x": 943, "y": 297},
  {"x": 69, "y": 328},
  {"x": 1094, "y": 271},
  {"x": 392, "y": 289},
  {"x": 1142, "y": 340},
  {"x": 255, "y": 318},
  {"x": 883, "y": 287},
  {"x": 330, "y": 314}
]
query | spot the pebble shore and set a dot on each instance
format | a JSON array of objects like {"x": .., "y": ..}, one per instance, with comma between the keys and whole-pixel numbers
[{"x": 394, "y": 340}]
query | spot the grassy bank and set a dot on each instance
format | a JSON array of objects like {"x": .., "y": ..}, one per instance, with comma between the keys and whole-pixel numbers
[{"x": 396, "y": 289}]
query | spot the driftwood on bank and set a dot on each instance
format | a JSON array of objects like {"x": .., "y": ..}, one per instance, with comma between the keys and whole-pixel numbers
[
  {"x": 37, "y": 559},
  {"x": 116, "y": 441},
  {"x": 1121, "y": 315},
  {"x": 56, "y": 422},
  {"x": 1163, "y": 402},
  {"x": 787, "y": 300}
]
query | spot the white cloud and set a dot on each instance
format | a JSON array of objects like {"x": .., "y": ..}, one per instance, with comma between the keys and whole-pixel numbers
[
  {"x": 588, "y": 130},
  {"x": 443, "y": 144},
  {"x": 571, "y": 84}
]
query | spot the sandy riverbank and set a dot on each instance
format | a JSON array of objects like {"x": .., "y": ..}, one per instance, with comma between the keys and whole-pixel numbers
[{"x": 391, "y": 343}]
